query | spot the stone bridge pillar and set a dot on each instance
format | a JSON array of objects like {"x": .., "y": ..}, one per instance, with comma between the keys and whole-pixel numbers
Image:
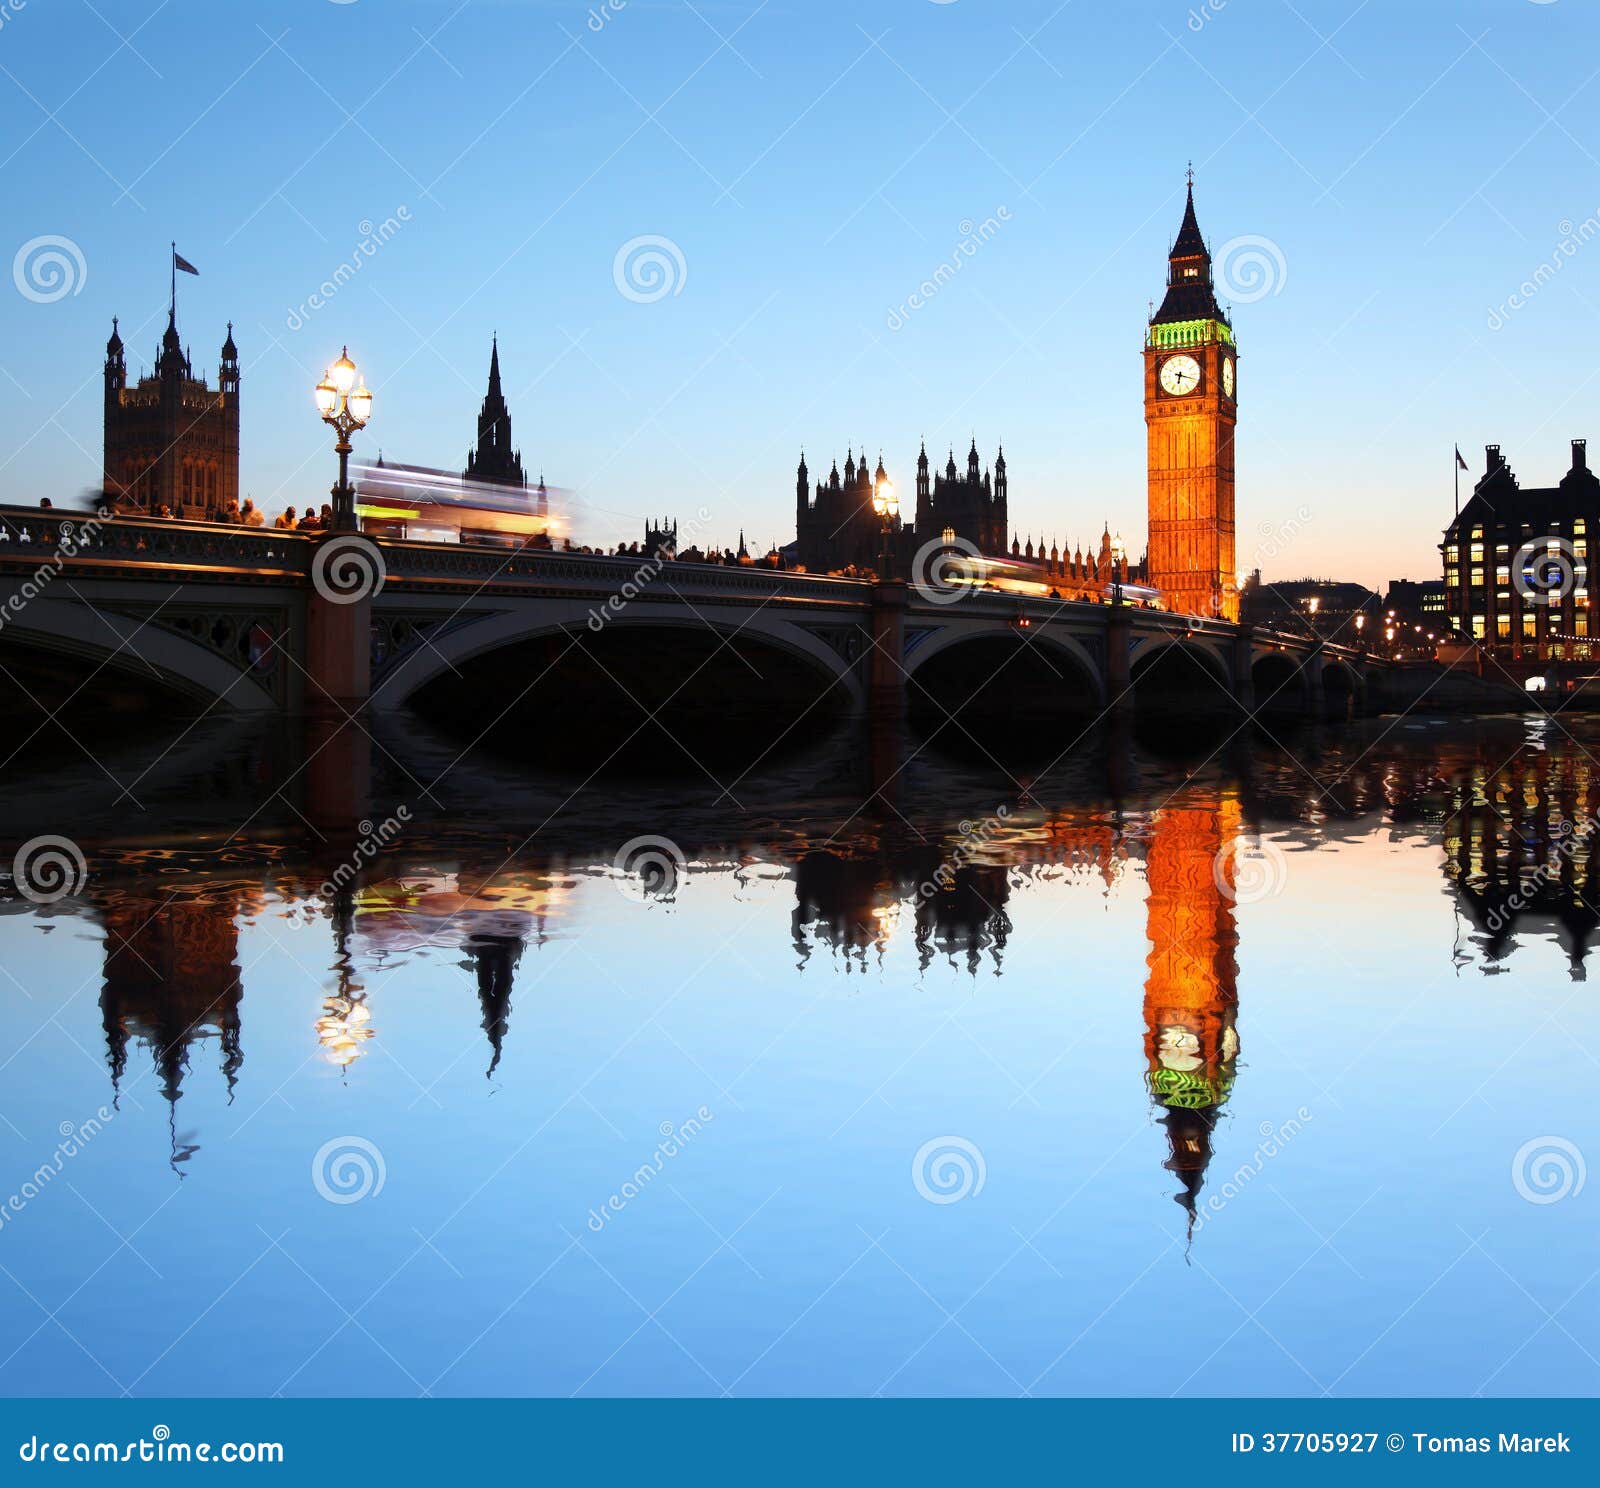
[
  {"x": 886, "y": 689},
  {"x": 346, "y": 570},
  {"x": 1119, "y": 658},
  {"x": 1316, "y": 693},
  {"x": 1244, "y": 686}
]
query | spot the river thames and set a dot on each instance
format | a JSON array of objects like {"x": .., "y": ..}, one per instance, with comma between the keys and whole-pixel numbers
[{"x": 1264, "y": 1070}]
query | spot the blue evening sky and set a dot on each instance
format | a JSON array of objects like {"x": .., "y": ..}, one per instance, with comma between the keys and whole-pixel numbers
[{"x": 812, "y": 162}]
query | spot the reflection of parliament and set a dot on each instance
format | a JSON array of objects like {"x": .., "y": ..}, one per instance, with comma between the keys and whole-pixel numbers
[{"x": 1190, "y": 387}]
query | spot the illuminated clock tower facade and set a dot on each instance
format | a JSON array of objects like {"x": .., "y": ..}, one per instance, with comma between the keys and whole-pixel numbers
[{"x": 1190, "y": 409}]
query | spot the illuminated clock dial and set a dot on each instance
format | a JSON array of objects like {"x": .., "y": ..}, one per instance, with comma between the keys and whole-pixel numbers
[
  {"x": 1227, "y": 376},
  {"x": 1180, "y": 375}
]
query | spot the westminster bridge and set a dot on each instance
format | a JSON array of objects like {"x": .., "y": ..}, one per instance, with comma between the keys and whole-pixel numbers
[{"x": 257, "y": 621}]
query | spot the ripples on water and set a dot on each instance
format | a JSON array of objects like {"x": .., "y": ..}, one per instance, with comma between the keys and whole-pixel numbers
[{"x": 1140, "y": 1073}]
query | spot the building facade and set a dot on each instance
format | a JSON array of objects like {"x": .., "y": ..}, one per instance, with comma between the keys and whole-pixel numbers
[
  {"x": 1516, "y": 564},
  {"x": 1190, "y": 410},
  {"x": 171, "y": 442},
  {"x": 836, "y": 527}
]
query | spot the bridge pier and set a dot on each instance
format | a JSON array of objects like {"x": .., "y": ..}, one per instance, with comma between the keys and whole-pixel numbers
[
  {"x": 346, "y": 571},
  {"x": 886, "y": 689},
  {"x": 1119, "y": 659},
  {"x": 1244, "y": 686}
]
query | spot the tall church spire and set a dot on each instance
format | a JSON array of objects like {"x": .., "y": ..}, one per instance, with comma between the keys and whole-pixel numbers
[{"x": 494, "y": 459}]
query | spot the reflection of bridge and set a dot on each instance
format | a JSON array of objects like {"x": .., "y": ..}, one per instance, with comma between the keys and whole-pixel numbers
[
  {"x": 248, "y": 619},
  {"x": 173, "y": 988}
]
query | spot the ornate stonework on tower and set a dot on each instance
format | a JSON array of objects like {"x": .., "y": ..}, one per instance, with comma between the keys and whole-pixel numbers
[
  {"x": 170, "y": 441},
  {"x": 1190, "y": 409}
]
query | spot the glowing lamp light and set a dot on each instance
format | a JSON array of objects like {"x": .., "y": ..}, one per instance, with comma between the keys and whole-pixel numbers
[
  {"x": 343, "y": 372},
  {"x": 884, "y": 500},
  {"x": 327, "y": 395},
  {"x": 361, "y": 404}
]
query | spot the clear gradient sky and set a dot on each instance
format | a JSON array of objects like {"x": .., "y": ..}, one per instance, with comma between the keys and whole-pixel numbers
[{"x": 1410, "y": 162}]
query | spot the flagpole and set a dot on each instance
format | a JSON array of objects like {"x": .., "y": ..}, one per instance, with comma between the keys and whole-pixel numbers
[
  {"x": 172, "y": 305},
  {"x": 1455, "y": 465}
]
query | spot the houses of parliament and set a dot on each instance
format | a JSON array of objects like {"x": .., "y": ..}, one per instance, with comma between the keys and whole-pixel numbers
[{"x": 1191, "y": 409}]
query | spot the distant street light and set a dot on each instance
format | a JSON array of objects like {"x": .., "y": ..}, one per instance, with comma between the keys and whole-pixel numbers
[
  {"x": 1119, "y": 556},
  {"x": 346, "y": 405},
  {"x": 887, "y": 505}
]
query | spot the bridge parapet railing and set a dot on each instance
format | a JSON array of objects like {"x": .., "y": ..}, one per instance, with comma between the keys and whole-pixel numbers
[
  {"x": 542, "y": 569},
  {"x": 85, "y": 537}
]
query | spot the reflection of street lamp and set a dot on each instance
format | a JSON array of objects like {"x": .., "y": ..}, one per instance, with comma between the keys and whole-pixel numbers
[
  {"x": 887, "y": 506},
  {"x": 346, "y": 405},
  {"x": 1119, "y": 557},
  {"x": 1312, "y": 606}
]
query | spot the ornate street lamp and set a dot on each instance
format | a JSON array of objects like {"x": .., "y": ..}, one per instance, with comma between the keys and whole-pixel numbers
[
  {"x": 1119, "y": 558},
  {"x": 344, "y": 402},
  {"x": 887, "y": 505}
]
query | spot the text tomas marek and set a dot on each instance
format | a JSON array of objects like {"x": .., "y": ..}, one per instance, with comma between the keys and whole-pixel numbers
[{"x": 1507, "y": 1442}]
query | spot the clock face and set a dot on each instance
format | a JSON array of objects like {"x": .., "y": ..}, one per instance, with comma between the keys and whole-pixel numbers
[
  {"x": 1180, "y": 375},
  {"x": 1227, "y": 376}
]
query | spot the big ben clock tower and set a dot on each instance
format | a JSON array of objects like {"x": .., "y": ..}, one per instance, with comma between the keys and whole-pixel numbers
[{"x": 1190, "y": 408}]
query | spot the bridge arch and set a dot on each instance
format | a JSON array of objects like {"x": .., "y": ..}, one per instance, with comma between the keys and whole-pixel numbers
[
  {"x": 1279, "y": 681},
  {"x": 1064, "y": 651},
  {"x": 1180, "y": 672},
  {"x": 137, "y": 647},
  {"x": 456, "y": 643}
]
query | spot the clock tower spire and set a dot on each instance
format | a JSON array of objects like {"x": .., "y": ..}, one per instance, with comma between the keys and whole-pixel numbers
[{"x": 1190, "y": 409}]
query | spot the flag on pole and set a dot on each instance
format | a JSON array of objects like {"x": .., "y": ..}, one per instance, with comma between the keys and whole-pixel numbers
[
  {"x": 180, "y": 262},
  {"x": 1460, "y": 463}
]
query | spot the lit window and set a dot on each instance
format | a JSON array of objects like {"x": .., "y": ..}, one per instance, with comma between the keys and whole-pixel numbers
[
  {"x": 1529, "y": 621},
  {"x": 1580, "y": 623},
  {"x": 1477, "y": 627},
  {"x": 1477, "y": 578},
  {"x": 1502, "y": 573},
  {"x": 1502, "y": 627},
  {"x": 1477, "y": 552}
]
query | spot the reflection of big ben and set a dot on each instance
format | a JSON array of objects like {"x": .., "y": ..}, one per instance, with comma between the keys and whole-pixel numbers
[
  {"x": 1190, "y": 408},
  {"x": 1191, "y": 993}
]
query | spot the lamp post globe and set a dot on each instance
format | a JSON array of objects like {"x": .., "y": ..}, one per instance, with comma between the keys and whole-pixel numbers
[{"x": 344, "y": 403}]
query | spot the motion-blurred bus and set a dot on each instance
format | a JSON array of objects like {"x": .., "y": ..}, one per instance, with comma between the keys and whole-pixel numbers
[{"x": 414, "y": 501}]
